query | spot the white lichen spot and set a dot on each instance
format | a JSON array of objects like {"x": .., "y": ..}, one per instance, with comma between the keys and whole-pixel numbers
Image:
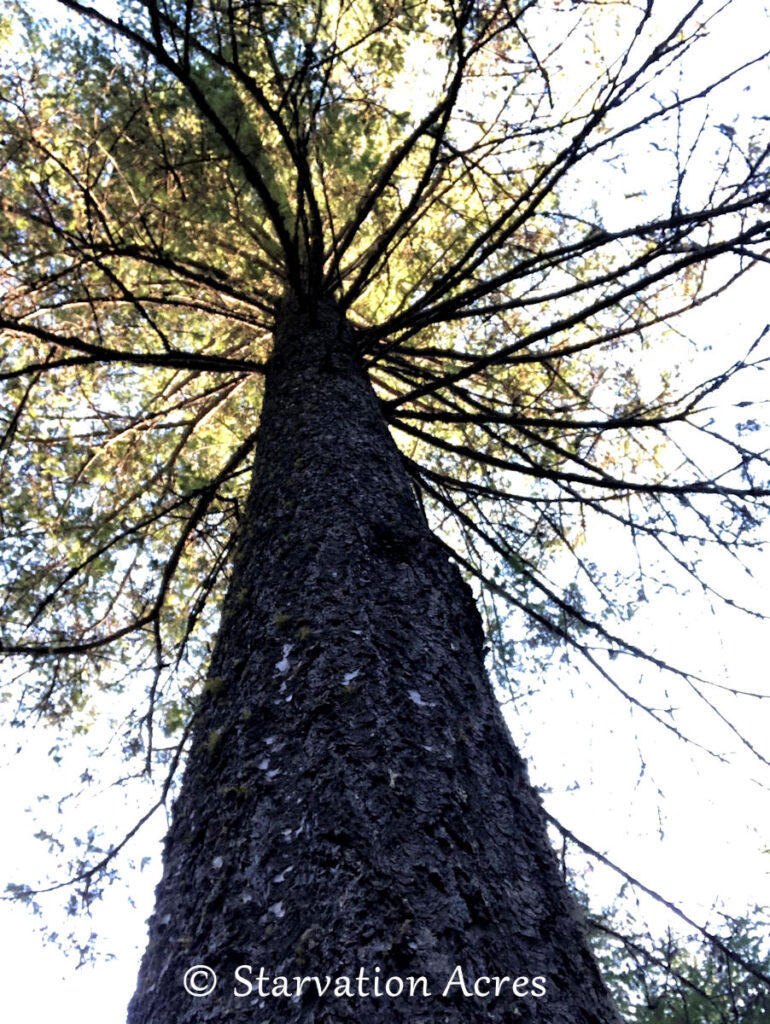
[
  {"x": 289, "y": 833},
  {"x": 269, "y": 740},
  {"x": 416, "y": 697},
  {"x": 283, "y": 666},
  {"x": 264, "y": 764},
  {"x": 277, "y": 909},
  {"x": 350, "y": 676},
  {"x": 273, "y": 772},
  {"x": 280, "y": 877},
  {"x": 393, "y": 776},
  {"x": 217, "y": 863},
  {"x": 246, "y": 897}
]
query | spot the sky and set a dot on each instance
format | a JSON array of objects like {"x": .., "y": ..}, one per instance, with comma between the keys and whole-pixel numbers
[{"x": 691, "y": 828}]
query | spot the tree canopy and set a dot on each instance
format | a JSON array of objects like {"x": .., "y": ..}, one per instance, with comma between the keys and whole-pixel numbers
[{"x": 515, "y": 203}]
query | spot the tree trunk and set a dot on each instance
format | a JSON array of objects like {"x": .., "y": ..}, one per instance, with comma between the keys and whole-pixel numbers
[{"x": 353, "y": 807}]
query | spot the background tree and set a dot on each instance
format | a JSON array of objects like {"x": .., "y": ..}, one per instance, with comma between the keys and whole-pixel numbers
[
  {"x": 675, "y": 979},
  {"x": 170, "y": 178}
]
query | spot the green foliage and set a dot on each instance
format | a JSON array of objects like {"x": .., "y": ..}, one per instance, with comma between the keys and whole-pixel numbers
[{"x": 687, "y": 980}]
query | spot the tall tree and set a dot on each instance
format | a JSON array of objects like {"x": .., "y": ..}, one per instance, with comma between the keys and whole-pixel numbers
[{"x": 241, "y": 240}]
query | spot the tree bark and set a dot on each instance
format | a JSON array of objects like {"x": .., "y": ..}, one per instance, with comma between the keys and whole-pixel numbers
[{"x": 353, "y": 806}]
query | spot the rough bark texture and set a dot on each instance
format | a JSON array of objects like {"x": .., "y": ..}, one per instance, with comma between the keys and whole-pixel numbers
[{"x": 352, "y": 799}]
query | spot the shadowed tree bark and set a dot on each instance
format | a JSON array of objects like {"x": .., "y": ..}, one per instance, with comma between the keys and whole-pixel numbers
[{"x": 353, "y": 800}]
